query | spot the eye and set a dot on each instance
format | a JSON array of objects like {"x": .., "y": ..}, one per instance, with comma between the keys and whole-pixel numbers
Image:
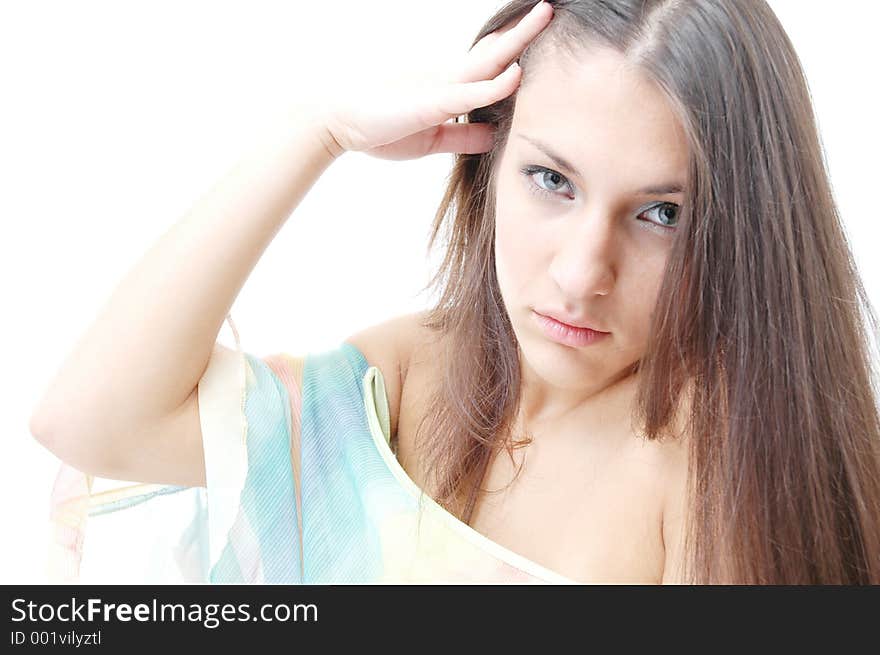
[
  {"x": 545, "y": 175},
  {"x": 667, "y": 213}
]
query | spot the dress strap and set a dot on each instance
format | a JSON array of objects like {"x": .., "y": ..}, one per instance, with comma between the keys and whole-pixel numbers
[{"x": 376, "y": 402}]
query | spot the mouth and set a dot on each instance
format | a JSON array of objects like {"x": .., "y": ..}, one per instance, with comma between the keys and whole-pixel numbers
[{"x": 568, "y": 335}]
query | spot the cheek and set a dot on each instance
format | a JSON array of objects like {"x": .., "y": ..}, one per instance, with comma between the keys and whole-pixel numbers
[
  {"x": 640, "y": 290},
  {"x": 515, "y": 255}
]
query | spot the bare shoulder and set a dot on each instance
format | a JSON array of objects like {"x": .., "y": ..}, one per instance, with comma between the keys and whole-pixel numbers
[
  {"x": 675, "y": 507},
  {"x": 388, "y": 346}
]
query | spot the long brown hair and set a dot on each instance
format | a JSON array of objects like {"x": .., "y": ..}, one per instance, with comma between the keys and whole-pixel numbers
[{"x": 757, "y": 328}]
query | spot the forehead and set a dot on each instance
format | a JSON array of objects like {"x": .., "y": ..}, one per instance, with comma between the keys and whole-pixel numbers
[{"x": 599, "y": 111}]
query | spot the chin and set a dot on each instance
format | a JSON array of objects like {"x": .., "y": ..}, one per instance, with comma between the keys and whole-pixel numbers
[{"x": 556, "y": 364}]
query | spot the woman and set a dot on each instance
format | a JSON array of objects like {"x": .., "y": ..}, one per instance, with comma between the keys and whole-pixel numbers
[{"x": 648, "y": 305}]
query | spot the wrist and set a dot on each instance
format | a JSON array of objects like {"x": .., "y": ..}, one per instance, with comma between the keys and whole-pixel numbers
[
  {"x": 334, "y": 149},
  {"x": 317, "y": 119}
]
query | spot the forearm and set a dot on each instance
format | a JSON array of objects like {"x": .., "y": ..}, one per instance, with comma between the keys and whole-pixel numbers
[{"x": 151, "y": 343}]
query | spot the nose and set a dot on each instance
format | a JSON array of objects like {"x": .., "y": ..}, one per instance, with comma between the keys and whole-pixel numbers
[{"x": 584, "y": 261}]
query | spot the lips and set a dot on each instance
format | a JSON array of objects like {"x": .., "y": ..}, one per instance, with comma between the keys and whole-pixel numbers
[
  {"x": 570, "y": 321},
  {"x": 567, "y": 335}
]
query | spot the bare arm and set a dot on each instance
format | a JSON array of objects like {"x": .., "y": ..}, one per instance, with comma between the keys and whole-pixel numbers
[
  {"x": 124, "y": 404},
  {"x": 136, "y": 369}
]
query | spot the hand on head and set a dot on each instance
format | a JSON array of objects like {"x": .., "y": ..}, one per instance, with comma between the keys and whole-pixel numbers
[{"x": 406, "y": 118}]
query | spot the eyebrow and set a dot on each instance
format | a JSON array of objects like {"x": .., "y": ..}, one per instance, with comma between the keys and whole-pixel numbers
[{"x": 666, "y": 189}]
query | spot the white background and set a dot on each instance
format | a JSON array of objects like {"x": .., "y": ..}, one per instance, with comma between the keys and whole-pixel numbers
[{"x": 117, "y": 116}]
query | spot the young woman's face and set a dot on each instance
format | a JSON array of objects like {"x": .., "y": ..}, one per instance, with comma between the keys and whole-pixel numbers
[{"x": 583, "y": 239}]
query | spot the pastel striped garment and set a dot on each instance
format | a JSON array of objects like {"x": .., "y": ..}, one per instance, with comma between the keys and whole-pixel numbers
[{"x": 359, "y": 517}]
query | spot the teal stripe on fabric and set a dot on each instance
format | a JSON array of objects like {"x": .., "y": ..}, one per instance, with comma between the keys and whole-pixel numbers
[
  {"x": 340, "y": 541},
  {"x": 348, "y": 490},
  {"x": 264, "y": 536},
  {"x": 226, "y": 570},
  {"x": 125, "y": 503}
]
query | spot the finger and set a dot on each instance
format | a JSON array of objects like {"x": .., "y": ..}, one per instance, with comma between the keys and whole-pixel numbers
[
  {"x": 487, "y": 40},
  {"x": 465, "y": 138},
  {"x": 436, "y": 103},
  {"x": 492, "y": 36},
  {"x": 458, "y": 99},
  {"x": 469, "y": 138},
  {"x": 489, "y": 61}
]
